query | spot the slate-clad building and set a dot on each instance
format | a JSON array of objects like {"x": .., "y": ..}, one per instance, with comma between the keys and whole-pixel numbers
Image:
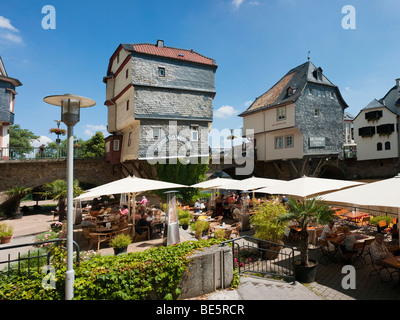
[
  {"x": 376, "y": 127},
  {"x": 160, "y": 101},
  {"x": 7, "y": 104},
  {"x": 300, "y": 117}
]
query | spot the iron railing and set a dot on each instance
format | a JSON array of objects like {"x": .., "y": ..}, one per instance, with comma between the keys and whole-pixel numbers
[
  {"x": 32, "y": 255},
  {"x": 38, "y": 153},
  {"x": 259, "y": 257}
]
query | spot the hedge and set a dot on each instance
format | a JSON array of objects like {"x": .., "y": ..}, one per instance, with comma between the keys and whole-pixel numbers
[{"x": 151, "y": 274}]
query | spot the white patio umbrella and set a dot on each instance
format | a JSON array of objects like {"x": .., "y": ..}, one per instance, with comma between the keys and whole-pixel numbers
[
  {"x": 249, "y": 184},
  {"x": 128, "y": 185},
  {"x": 216, "y": 183},
  {"x": 383, "y": 195},
  {"x": 308, "y": 186}
]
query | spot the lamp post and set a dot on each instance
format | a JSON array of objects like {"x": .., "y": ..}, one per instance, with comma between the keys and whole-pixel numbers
[
  {"x": 172, "y": 225},
  {"x": 70, "y": 110}
]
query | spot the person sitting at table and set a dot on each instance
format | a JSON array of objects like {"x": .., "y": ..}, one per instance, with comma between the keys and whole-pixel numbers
[
  {"x": 197, "y": 206},
  {"x": 105, "y": 210},
  {"x": 329, "y": 231},
  {"x": 236, "y": 213},
  {"x": 123, "y": 212},
  {"x": 347, "y": 240},
  {"x": 144, "y": 201},
  {"x": 379, "y": 251},
  {"x": 150, "y": 217},
  {"x": 395, "y": 232}
]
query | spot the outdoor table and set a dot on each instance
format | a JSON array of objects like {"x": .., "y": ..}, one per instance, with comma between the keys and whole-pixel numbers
[
  {"x": 338, "y": 238},
  {"x": 312, "y": 233},
  {"x": 223, "y": 226},
  {"x": 393, "y": 262},
  {"x": 354, "y": 216}
]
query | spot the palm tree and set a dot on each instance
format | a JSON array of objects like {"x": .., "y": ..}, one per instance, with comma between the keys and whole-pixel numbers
[
  {"x": 306, "y": 211},
  {"x": 57, "y": 190},
  {"x": 15, "y": 195}
]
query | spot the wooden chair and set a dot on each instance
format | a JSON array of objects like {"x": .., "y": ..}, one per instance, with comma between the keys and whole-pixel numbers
[
  {"x": 144, "y": 235},
  {"x": 228, "y": 233},
  {"x": 366, "y": 250},
  {"x": 382, "y": 225},
  {"x": 218, "y": 219},
  {"x": 378, "y": 268},
  {"x": 86, "y": 233},
  {"x": 326, "y": 251},
  {"x": 236, "y": 228},
  {"x": 211, "y": 228},
  {"x": 98, "y": 238},
  {"x": 364, "y": 223}
]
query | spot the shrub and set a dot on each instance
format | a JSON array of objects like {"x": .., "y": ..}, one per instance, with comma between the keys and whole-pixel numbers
[
  {"x": 151, "y": 274},
  {"x": 6, "y": 230},
  {"x": 120, "y": 241}
]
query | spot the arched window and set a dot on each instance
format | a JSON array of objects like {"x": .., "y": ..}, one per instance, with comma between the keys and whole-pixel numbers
[
  {"x": 387, "y": 145},
  {"x": 379, "y": 146}
]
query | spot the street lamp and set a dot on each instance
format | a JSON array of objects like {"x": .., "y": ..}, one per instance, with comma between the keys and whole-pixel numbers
[{"x": 70, "y": 109}]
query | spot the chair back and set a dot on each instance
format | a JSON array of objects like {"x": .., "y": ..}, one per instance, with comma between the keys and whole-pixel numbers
[
  {"x": 382, "y": 223},
  {"x": 323, "y": 243},
  {"x": 359, "y": 245},
  {"x": 228, "y": 233},
  {"x": 219, "y": 218}
]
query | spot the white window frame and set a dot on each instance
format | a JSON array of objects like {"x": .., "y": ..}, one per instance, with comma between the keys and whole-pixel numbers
[
  {"x": 291, "y": 145},
  {"x": 279, "y": 114},
  {"x": 156, "y": 137},
  {"x": 276, "y": 139},
  {"x": 116, "y": 145},
  {"x": 194, "y": 129}
]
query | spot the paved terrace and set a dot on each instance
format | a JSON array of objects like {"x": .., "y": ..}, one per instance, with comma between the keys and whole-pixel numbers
[{"x": 327, "y": 285}]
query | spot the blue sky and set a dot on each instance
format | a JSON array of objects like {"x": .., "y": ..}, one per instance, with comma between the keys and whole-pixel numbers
[{"x": 254, "y": 42}]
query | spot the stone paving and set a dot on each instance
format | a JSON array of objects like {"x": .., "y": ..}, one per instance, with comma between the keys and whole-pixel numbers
[{"x": 327, "y": 285}]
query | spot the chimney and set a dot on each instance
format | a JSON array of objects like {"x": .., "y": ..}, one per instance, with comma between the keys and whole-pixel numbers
[{"x": 160, "y": 43}]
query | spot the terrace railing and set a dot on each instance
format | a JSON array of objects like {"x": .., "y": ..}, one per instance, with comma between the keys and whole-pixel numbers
[
  {"x": 259, "y": 257},
  {"x": 32, "y": 260},
  {"x": 37, "y": 153}
]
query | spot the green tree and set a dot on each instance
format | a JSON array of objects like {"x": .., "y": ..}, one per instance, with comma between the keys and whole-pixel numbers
[
  {"x": 94, "y": 147},
  {"x": 186, "y": 174},
  {"x": 57, "y": 190},
  {"x": 20, "y": 141}
]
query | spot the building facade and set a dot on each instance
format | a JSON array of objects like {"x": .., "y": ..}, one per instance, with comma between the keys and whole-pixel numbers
[
  {"x": 160, "y": 102},
  {"x": 376, "y": 127},
  {"x": 300, "y": 117},
  {"x": 7, "y": 105}
]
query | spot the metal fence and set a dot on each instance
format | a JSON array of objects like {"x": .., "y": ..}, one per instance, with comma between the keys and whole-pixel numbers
[
  {"x": 34, "y": 259},
  {"x": 38, "y": 153},
  {"x": 260, "y": 257}
]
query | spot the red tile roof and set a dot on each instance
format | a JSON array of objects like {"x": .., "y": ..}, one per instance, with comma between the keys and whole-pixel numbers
[{"x": 169, "y": 52}]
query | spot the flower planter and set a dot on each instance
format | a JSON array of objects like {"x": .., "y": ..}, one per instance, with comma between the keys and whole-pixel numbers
[
  {"x": 118, "y": 251},
  {"x": 6, "y": 239},
  {"x": 305, "y": 274}
]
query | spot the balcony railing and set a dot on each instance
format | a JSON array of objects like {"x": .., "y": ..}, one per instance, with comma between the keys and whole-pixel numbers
[{"x": 37, "y": 153}]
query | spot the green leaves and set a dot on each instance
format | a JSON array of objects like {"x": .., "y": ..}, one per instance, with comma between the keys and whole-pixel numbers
[{"x": 151, "y": 274}]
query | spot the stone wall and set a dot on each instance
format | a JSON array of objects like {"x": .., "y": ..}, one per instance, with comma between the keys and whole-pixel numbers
[
  {"x": 209, "y": 269},
  {"x": 328, "y": 124}
]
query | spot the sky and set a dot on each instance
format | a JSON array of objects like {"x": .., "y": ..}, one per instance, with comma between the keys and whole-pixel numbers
[{"x": 254, "y": 42}]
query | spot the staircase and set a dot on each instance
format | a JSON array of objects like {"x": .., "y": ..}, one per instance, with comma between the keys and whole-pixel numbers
[{"x": 254, "y": 288}]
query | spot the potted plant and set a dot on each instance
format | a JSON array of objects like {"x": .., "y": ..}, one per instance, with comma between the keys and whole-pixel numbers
[
  {"x": 199, "y": 227},
  {"x": 6, "y": 232},
  {"x": 219, "y": 234},
  {"x": 120, "y": 243},
  {"x": 269, "y": 227},
  {"x": 184, "y": 218},
  {"x": 305, "y": 212}
]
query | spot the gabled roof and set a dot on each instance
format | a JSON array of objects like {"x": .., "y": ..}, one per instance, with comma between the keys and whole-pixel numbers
[
  {"x": 296, "y": 79},
  {"x": 3, "y": 71},
  {"x": 391, "y": 100},
  {"x": 4, "y": 76},
  {"x": 169, "y": 52}
]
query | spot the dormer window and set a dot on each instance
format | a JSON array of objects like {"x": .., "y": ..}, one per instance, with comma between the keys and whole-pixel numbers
[
  {"x": 290, "y": 91},
  {"x": 318, "y": 74}
]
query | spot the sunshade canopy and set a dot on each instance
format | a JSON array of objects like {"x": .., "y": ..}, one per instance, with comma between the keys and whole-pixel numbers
[
  {"x": 128, "y": 185},
  {"x": 213, "y": 183},
  {"x": 384, "y": 193},
  {"x": 308, "y": 186},
  {"x": 252, "y": 183}
]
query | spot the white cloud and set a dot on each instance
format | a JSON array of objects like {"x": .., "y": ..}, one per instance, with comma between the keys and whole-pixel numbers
[
  {"x": 6, "y": 24},
  {"x": 237, "y": 3},
  {"x": 254, "y": 3},
  {"x": 8, "y": 32},
  {"x": 42, "y": 140},
  {"x": 225, "y": 112},
  {"x": 92, "y": 129}
]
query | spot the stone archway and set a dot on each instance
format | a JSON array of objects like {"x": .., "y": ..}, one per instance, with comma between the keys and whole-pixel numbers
[{"x": 331, "y": 172}]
